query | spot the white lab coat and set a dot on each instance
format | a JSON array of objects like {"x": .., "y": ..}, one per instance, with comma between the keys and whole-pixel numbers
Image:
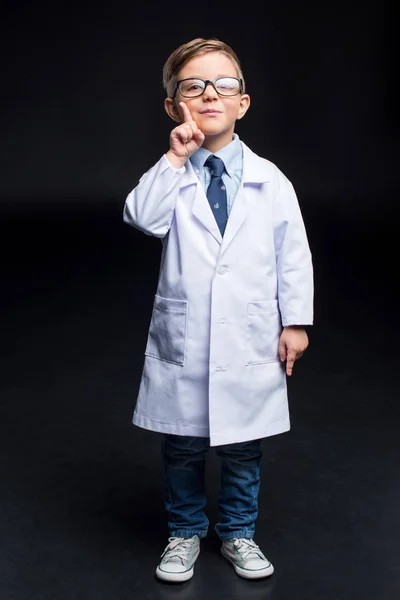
[{"x": 211, "y": 364}]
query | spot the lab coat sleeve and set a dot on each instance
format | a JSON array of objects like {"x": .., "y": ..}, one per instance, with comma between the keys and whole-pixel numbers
[
  {"x": 150, "y": 206},
  {"x": 293, "y": 258}
]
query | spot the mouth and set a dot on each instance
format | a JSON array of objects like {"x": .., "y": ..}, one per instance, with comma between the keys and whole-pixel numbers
[{"x": 210, "y": 112}]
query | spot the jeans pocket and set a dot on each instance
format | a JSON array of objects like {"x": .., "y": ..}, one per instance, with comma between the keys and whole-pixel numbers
[
  {"x": 263, "y": 332},
  {"x": 167, "y": 333}
]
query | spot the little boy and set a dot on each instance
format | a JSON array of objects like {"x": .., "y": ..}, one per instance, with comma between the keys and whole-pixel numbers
[{"x": 235, "y": 291}]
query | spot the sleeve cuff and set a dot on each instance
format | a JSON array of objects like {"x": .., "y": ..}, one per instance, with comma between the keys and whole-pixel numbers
[{"x": 177, "y": 170}]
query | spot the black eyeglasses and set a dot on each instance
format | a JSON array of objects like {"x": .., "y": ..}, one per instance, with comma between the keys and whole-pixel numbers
[{"x": 193, "y": 87}]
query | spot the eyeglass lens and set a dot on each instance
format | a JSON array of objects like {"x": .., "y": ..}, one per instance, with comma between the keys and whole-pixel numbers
[{"x": 226, "y": 86}]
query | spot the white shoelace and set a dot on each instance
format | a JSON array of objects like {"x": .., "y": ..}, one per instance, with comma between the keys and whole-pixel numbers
[
  {"x": 178, "y": 548},
  {"x": 246, "y": 547}
]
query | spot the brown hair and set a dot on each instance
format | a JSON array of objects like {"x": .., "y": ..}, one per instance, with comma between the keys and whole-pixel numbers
[{"x": 186, "y": 52}]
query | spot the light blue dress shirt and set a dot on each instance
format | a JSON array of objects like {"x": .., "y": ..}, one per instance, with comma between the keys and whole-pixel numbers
[{"x": 232, "y": 155}]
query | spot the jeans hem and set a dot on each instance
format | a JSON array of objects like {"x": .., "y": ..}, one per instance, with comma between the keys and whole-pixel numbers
[
  {"x": 242, "y": 533},
  {"x": 187, "y": 533}
]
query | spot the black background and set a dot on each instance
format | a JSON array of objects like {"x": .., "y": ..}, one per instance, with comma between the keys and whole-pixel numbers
[{"x": 82, "y": 118}]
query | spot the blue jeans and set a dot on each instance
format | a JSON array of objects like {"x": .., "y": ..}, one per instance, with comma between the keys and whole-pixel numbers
[{"x": 185, "y": 498}]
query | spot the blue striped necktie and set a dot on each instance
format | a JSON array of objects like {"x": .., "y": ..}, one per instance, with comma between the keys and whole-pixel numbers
[{"x": 216, "y": 192}]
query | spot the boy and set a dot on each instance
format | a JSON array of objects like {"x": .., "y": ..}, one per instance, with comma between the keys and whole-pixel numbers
[{"x": 235, "y": 291}]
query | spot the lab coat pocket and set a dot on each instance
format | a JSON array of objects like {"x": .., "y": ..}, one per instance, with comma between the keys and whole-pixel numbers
[
  {"x": 263, "y": 332},
  {"x": 167, "y": 332}
]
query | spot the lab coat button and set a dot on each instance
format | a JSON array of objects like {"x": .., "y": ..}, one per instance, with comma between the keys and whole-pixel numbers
[
  {"x": 222, "y": 321},
  {"x": 223, "y": 269}
]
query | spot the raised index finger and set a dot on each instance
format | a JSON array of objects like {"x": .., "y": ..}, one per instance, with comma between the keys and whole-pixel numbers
[{"x": 186, "y": 112}]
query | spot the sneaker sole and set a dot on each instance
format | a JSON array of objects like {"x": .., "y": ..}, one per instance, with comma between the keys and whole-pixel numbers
[
  {"x": 174, "y": 577},
  {"x": 246, "y": 573}
]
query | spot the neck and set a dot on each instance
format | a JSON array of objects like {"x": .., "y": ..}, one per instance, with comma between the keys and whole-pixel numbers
[{"x": 213, "y": 143}]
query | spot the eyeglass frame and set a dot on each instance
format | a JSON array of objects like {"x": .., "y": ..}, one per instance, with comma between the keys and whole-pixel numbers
[{"x": 206, "y": 82}]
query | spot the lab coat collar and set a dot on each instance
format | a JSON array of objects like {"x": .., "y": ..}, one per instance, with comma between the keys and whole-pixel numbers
[{"x": 255, "y": 170}]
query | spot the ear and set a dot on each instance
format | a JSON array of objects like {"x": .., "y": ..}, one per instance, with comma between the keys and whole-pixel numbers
[
  {"x": 243, "y": 106},
  {"x": 172, "y": 110}
]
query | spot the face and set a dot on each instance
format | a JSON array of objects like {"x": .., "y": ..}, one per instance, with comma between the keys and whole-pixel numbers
[{"x": 217, "y": 126}]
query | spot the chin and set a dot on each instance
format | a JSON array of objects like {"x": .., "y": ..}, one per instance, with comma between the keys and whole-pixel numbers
[{"x": 212, "y": 130}]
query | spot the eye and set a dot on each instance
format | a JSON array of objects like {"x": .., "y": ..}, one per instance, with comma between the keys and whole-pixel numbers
[{"x": 228, "y": 84}]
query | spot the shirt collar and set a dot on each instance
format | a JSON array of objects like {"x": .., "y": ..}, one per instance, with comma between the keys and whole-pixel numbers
[{"x": 229, "y": 154}]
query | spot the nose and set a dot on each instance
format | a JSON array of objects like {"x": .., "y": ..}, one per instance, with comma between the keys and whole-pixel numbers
[{"x": 210, "y": 91}]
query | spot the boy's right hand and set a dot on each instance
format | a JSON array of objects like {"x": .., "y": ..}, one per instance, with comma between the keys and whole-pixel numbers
[{"x": 185, "y": 139}]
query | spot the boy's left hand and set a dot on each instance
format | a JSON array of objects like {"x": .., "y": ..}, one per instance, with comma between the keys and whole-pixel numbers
[{"x": 292, "y": 344}]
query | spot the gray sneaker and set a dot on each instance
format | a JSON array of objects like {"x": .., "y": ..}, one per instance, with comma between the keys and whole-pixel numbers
[
  {"x": 178, "y": 558},
  {"x": 247, "y": 559}
]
